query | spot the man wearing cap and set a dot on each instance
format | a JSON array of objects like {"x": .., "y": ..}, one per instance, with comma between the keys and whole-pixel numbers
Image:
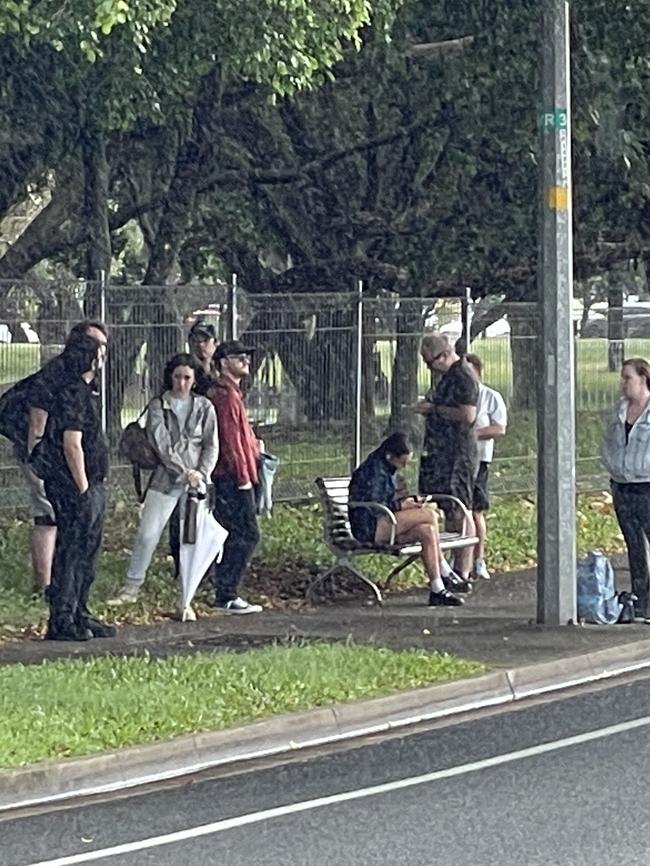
[
  {"x": 234, "y": 476},
  {"x": 449, "y": 457},
  {"x": 203, "y": 342}
]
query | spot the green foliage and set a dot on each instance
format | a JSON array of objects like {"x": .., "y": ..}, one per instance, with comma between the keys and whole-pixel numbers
[
  {"x": 84, "y": 23},
  {"x": 60, "y": 709}
]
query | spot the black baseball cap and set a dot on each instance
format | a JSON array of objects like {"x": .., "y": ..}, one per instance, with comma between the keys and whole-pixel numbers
[
  {"x": 232, "y": 347},
  {"x": 202, "y": 331}
]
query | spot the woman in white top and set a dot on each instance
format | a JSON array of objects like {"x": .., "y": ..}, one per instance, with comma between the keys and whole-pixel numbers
[
  {"x": 626, "y": 455},
  {"x": 182, "y": 427}
]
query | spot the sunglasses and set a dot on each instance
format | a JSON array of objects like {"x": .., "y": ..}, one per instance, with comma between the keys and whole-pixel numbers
[{"x": 243, "y": 359}]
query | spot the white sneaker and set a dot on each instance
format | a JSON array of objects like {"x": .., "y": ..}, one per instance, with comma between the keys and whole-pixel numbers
[
  {"x": 186, "y": 614},
  {"x": 480, "y": 570},
  {"x": 127, "y": 595},
  {"x": 238, "y": 605}
]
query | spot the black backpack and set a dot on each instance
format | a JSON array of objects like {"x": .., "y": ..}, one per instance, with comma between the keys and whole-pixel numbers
[
  {"x": 134, "y": 446},
  {"x": 14, "y": 414}
]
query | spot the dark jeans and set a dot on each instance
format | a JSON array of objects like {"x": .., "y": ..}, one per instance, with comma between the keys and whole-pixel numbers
[
  {"x": 80, "y": 521},
  {"x": 235, "y": 510},
  {"x": 632, "y": 506}
]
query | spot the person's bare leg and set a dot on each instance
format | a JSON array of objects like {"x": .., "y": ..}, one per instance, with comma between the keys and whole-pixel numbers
[
  {"x": 463, "y": 557},
  {"x": 417, "y": 525},
  {"x": 428, "y": 538},
  {"x": 42, "y": 541},
  {"x": 479, "y": 567},
  {"x": 481, "y": 532}
]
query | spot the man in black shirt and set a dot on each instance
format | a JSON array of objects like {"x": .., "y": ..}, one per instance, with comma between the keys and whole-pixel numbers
[
  {"x": 203, "y": 343},
  {"x": 41, "y": 393},
  {"x": 73, "y": 461},
  {"x": 450, "y": 456}
]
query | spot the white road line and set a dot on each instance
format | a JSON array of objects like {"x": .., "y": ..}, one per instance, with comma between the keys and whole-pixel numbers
[{"x": 335, "y": 799}]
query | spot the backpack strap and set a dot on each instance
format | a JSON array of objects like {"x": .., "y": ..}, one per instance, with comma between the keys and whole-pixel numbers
[
  {"x": 137, "y": 481},
  {"x": 136, "y": 471}
]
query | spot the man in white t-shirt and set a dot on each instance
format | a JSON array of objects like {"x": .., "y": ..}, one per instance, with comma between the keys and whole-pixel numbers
[{"x": 491, "y": 423}]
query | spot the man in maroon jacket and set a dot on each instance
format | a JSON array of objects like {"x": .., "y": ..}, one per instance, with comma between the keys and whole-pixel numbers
[{"x": 234, "y": 476}]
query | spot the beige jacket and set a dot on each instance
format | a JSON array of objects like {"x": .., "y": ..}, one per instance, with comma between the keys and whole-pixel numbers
[{"x": 194, "y": 447}]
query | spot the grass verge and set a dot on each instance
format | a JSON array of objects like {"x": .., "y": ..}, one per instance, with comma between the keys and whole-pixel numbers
[{"x": 65, "y": 708}]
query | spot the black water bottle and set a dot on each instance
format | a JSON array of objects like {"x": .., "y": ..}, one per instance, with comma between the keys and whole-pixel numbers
[{"x": 191, "y": 512}]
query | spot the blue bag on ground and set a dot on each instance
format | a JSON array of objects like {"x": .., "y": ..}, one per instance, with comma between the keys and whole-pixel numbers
[{"x": 597, "y": 599}]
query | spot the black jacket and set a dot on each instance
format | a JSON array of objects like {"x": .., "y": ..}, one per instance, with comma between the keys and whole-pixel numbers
[{"x": 372, "y": 481}]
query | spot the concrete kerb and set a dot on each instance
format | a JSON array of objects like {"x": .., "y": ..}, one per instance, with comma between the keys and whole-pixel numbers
[{"x": 50, "y": 782}]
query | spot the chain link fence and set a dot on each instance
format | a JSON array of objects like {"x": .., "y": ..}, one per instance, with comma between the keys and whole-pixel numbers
[{"x": 333, "y": 373}]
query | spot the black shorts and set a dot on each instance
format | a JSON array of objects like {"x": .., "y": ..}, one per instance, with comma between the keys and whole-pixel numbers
[
  {"x": 480, "y": 496},
  {"x": 457, "y": 480}
]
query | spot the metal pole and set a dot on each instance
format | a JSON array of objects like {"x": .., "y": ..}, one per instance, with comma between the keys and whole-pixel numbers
[
  {"x": 359, "y": 377},
  {"x": 233, "y": 308},
  {"x": 103, "y": 371},
  {"x": 556, "y": 514},
  {"x": 467, "y": 324}
]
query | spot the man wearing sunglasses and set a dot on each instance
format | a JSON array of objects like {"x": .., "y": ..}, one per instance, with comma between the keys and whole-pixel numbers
[
  {"x": 203, "y": 342},
  {"x": 449, "y": 459},
  {"x": 234, "y": 476}
]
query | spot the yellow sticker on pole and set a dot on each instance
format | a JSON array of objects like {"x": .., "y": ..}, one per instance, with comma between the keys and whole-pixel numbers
[{"x": 558, "y": 197}]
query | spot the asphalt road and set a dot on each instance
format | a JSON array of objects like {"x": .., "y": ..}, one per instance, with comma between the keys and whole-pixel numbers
[{"x": 559, "y": 783}]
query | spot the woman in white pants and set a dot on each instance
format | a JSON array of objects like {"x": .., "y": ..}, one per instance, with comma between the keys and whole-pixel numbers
[{"x": 182, "y": 427}]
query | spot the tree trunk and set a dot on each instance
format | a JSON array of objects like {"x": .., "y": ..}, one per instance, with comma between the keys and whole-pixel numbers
[
  {"x": 165, "y": 337},
  {"x": 615, "y": 327},
  {"x": 404, "y": 381},
  {"x": 95, "y": 211},
  {"x": 330, "y": 363},
  {"x": 523, "y": 351},
  {"x": 46, "y": 234}
]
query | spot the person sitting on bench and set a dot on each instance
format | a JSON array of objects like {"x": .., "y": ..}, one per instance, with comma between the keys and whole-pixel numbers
[{"x": 374, "y": 481}]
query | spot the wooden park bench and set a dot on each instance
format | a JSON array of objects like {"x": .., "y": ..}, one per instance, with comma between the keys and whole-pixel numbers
[{"x": 334, "y": 496}]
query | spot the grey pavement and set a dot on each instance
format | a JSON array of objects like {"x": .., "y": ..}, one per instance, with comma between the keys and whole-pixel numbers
[
  {"x": 579, "y": 803},
  {"x": 496, "y": 625}
]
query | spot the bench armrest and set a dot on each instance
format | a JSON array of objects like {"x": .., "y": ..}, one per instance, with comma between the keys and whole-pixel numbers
[
  {"x": 384, "y": 511},
  {"x": 436, "y": 497}
]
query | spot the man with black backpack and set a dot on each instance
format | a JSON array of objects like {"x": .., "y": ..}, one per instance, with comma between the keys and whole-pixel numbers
[
  {"x": 72, "y": 459},
  {"x": 24, "y": 411}
]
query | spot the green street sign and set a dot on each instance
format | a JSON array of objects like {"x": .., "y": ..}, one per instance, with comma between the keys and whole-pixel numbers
[{"x": 554, "y": 120}]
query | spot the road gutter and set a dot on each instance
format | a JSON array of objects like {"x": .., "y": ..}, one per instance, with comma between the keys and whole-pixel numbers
[{"x": 54, "y": 783}]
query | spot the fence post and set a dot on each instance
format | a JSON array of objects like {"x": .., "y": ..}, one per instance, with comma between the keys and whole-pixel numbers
[
  {"x": 103, "y": 371},
  {"x": 232, "y": 325},
  {"x": 467, "y": 324},
  {"x": 359, "y": 377}
]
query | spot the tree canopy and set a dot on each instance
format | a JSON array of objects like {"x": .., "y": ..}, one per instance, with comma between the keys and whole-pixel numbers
[{"x": 334, "y": 139}]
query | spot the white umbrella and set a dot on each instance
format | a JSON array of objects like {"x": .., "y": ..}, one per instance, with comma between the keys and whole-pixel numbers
[{"x": 195, "y": 559}]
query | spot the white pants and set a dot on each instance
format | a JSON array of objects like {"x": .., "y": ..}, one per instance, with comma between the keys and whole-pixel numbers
[{"x": 157, "y": 510}]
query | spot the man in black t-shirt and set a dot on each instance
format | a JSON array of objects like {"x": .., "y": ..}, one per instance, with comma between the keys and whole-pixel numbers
[
  {"x": 72, "y": 459},
  {"x": 202, "y": 340},
  {"x": 449, "y": 459},
  {"x": 41, "y": 393}
]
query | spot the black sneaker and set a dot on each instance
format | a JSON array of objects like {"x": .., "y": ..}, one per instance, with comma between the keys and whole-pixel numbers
[
  {"x": 444, "y": 598},
  {"x": 69, "y": 631},
  {"x": 455, "y": 583},
  {"x": 98, "y": 628}
]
